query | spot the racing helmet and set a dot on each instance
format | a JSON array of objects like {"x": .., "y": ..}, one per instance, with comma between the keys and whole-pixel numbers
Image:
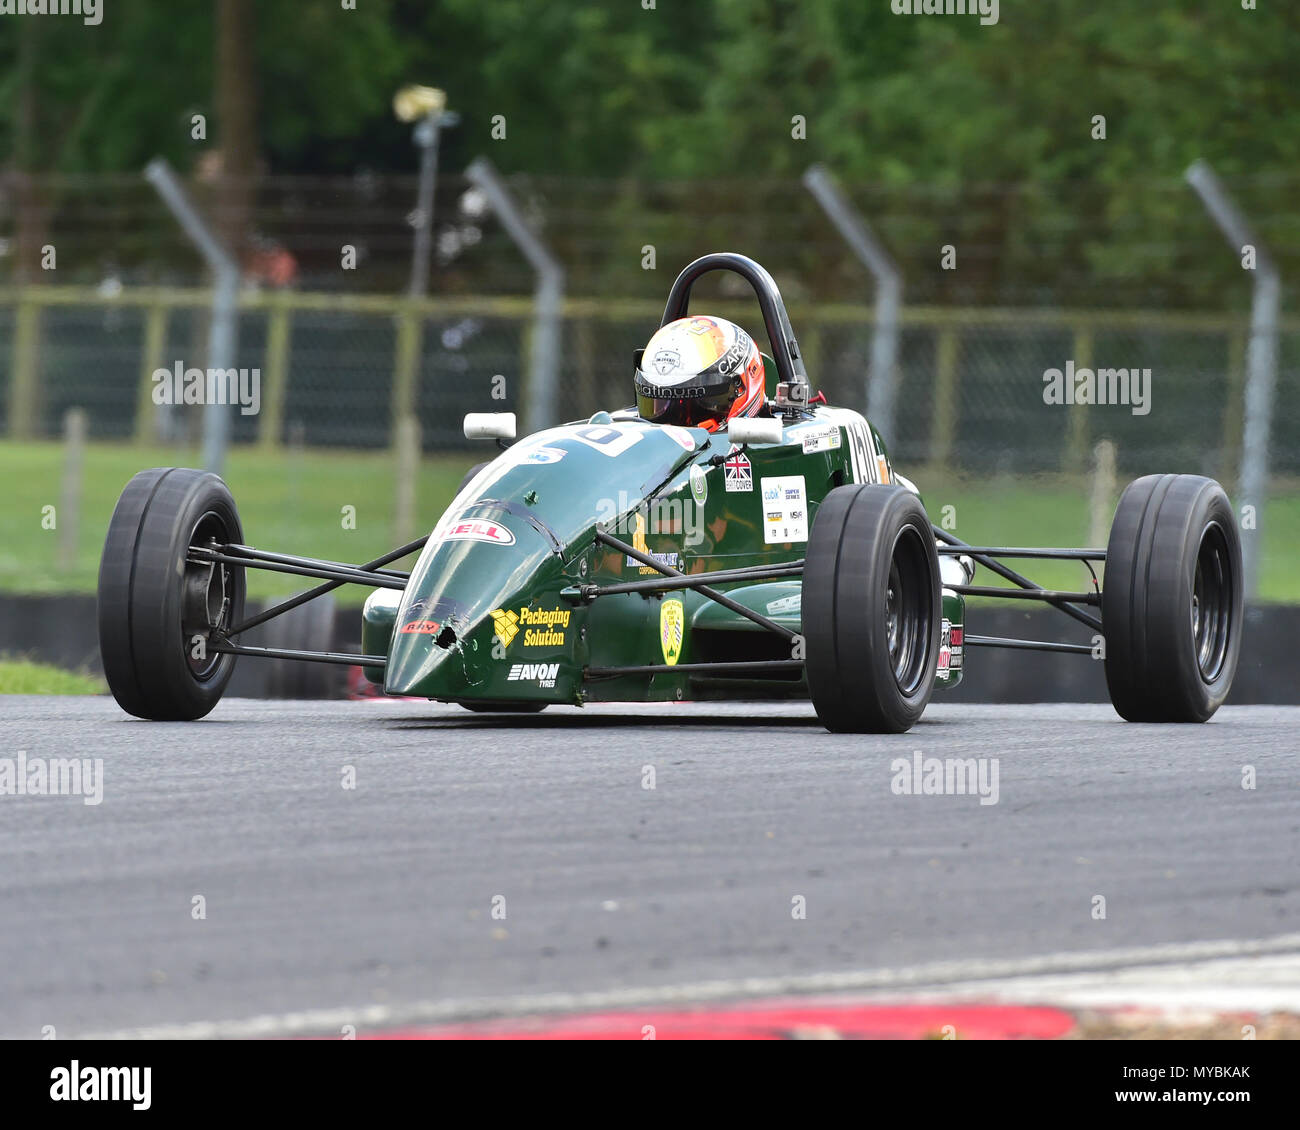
[{"x": 698, "y": 372}]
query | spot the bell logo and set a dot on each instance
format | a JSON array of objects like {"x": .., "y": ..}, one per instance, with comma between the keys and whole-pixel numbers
[{"x": 475, "y": 529}]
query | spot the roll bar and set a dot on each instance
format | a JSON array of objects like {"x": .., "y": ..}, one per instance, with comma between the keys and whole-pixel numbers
[{"x": 785, "y": 350}]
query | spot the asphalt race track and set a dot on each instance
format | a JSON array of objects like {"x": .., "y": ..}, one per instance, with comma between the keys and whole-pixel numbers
[{"x": 374, "y": 905}]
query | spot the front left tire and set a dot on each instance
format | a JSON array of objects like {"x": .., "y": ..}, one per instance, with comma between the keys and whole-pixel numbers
[
  {"x": 872, "y": 610},
  {"x": 1172, "y": 612}
]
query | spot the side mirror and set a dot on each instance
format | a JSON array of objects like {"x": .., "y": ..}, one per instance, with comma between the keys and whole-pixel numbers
[
  {"x": 747, "y": 429},
  {"x": 489, "y": 425}
]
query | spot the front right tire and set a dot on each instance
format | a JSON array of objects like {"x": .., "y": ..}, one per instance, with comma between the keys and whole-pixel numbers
[{"x": 157, "y": 610}]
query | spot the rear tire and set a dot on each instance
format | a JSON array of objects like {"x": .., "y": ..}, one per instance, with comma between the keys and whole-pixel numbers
[
  {"x": 1171, "y": 603},
  {"x": 309, "y": 627},
  {"x": 155, "y": 611},
  {"x": 872, "y": 610},
  {"x": 469, "y": 475}
]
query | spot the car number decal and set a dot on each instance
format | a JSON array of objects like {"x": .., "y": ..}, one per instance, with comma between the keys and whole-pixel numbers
[{"x": 608, "y": 439}]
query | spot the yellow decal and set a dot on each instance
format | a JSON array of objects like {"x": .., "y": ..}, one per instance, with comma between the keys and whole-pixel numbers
[
  {"x": 543, "y": 627},
  {"x": 672, "y": 625},
  {"x": 638, "y": 534},
  {"x": 507, "y": 625}
]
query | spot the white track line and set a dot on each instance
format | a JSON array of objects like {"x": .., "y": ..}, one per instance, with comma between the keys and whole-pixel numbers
[
  {"x": 1258, "y": 984},
  {"x": 965, "y": 978}
]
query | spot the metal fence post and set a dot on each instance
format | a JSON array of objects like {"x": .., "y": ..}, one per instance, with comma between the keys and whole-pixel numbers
[
  {"x": 882, "y": 379},
  {"x": 944, "y": 424},
  {"x": 224, "y": 331},
  {"x": 276, "y": 376},
  {"x": 406, "y": 472},
  {"x": 1078, "y": 431},
  {"x": 1234, "y": 415},
  {"x": 1261, "y": 356},
  {"x": 542, "y": 405},
  {"x": 23, "y": 392},
  {"x": 406, "y": 365},
  {"x": 155, "y": 342},
  {"x": 74, "y": 460}
]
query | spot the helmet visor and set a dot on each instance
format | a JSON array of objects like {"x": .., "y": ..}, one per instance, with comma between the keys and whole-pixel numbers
[{"x": 685, "y": 412}]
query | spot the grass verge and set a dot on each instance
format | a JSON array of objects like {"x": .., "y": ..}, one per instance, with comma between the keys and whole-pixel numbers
[
  {"x": 297, "y": 501},
  {"x": 21, "y": 676}
]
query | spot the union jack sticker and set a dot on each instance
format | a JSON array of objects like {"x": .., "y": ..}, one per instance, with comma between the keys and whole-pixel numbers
[{"x": 738, "y": 475}]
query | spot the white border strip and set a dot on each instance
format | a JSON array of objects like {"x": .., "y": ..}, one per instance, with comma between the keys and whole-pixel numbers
[{"x": 369, "y": 1018}]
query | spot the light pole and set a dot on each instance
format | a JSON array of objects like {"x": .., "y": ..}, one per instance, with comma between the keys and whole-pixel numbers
[{"x": 426, "y": 106}]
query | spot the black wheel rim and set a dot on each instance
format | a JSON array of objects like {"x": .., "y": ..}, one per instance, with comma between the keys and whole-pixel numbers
[
  {"x": 1213, "y": 595},
  {"x": 908, "y": 613},
  {"x": 207, "y": 599}
]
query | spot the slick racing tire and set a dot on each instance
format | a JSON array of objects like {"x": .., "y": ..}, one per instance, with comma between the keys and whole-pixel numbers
[
  {"x": 157, "y": 611},
  {"x": 1171, "y": 602},
  {"x": 309, "y": 627},
  {"x": 872, "y": 610}
]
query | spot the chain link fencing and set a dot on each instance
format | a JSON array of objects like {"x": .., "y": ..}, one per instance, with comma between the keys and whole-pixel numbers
[{"x": 1043, "y": 279}]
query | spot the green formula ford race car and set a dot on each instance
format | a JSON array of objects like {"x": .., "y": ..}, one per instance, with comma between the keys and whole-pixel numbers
[{"x": 616, "y": 559}]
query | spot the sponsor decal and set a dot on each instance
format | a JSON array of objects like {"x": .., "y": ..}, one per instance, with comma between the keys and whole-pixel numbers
[
  {"x": 666, "y": 360},
  {"x": 944, "y": 670},
  {"x": 672, "y": 560},
  {"x": 543, "y": 674},
  {"x": 825, "y": 438},
  {"x": 542, "y": 627},
  {"x": 477, "y": 529},
  {"x": 882, "y": 465},
  {"x": 785, "y": 511},
  {"x": 957, "y": 634},
  {"x": 506, "y": 624},
  {"x": 672, "y": 627},
  {"x": 699, "y": 484},
  {"x": 680, "y": 436},
  {"x": 734, "y": 356},
  {"x": 420, "y": 627},
  {"x": 855, "y": 433},
  {"x": 786, "y": 605},
  {"x": 737, "y": 474},
  {"x": 544, "y": 455},
  {"x": 672, "y": 392}
]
